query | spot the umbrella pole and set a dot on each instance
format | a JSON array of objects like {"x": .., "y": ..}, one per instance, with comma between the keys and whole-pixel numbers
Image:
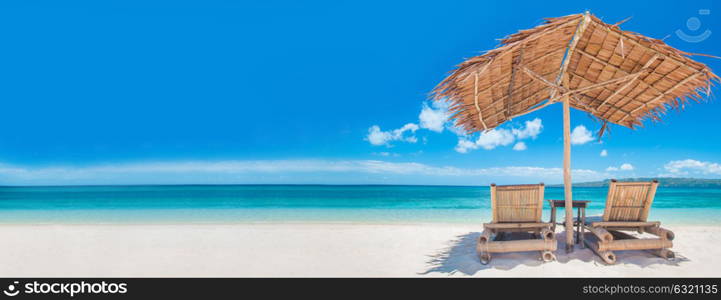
[{"x": 567, "y": 174}]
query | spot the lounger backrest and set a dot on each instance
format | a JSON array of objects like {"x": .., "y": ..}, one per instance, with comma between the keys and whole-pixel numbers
[
  {"x": 629, "y": 201},
  {"x": 517, "y": 203}
]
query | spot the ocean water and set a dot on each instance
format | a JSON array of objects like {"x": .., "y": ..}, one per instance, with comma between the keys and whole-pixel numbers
[{"x": 307, "y": 203}]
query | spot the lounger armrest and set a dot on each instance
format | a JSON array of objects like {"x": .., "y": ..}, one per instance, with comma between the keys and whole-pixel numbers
[
  {"x": 625, "y": 224},
  {"x": 516, "y": 225}
]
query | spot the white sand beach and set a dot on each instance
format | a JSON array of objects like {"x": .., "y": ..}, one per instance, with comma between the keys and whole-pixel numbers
[{"x": 317, "y": 250}]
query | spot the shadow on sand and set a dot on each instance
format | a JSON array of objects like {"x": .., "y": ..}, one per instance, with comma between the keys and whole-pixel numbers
[{"x": 460, "y": 257}]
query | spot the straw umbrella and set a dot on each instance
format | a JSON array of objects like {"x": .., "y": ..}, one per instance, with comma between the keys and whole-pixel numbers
[{"x": 615, "y": 76}]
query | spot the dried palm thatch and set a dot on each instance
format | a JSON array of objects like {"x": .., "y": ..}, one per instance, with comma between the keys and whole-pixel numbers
[{"x": 616, "y": 76}]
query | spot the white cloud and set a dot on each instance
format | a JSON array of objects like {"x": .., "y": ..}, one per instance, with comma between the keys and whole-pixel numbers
[
  {"x": 626, "y": 167},
  {"x": 494, "y": 138},
  {"x": 604, "y": 153},
  {"x": 501, "y": 137},
  {"x": 580, "y": 135},
  {"x": 225, "y": 171},
  {"x": 531, "y": 130},
  {"x": 434, "y": 118},
  {"x": 487, "y": 140},
  {"x": 457, "y": 130},
  {"x": 686, "y": 166},
  {"x": 464, "y": 145},
  {"x": 378, "y": 137},
  {"x": 520, "y": 146},
  {"x": 623, "y": 167}
]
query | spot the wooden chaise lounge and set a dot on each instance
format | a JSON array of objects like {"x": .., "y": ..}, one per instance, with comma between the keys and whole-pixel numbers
[
  {"x": 627, "y": 207},
  {"x": 516, "y": 209}
]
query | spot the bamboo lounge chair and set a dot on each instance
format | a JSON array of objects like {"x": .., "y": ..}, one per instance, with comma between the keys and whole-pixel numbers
[
  {"x": 627, "y": 207},
  {"x": 516, "y": 208}
]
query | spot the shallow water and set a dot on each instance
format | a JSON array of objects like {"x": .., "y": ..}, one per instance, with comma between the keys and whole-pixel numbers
[{"x": 306, "y": 203}]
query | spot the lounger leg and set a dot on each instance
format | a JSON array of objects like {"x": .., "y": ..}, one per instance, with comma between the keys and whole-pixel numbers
[
  {"x": 663, "y": 253},
  {"x": 608, "y": 257},
  {"x": 547, "y": 256},
  {"x": 583, "y": 228},
  {"x": 483, "y": 240},
  {"x": 484, "y": 257}
]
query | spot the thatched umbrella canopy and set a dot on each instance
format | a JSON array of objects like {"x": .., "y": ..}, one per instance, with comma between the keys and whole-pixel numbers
[{"x": 616, "y": 76}]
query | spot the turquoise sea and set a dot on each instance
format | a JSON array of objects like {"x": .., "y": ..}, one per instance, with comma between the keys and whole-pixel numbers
[{"x": 306, "y": 203}]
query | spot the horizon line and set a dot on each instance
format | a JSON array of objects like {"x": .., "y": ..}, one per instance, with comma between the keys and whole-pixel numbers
[{"x": 316, "y": 184}]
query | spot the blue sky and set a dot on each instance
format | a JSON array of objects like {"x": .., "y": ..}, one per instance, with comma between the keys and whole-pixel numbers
[{"x": 124, "y": 92}]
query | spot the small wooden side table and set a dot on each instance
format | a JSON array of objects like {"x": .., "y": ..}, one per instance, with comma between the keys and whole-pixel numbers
[{"x": 580, "y": 219}]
